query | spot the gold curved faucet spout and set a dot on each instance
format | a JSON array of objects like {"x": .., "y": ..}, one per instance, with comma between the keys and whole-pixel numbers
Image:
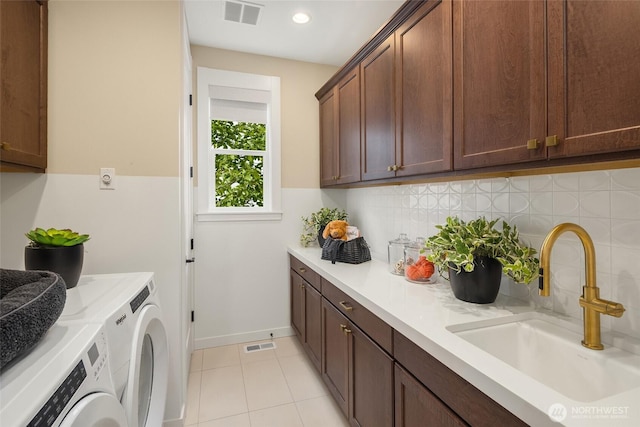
[{"x": 590, "y": 301}]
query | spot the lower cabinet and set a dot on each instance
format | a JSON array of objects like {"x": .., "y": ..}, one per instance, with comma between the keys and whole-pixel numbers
[
  {"x": 306, "y": 316},
  {"x": 377, "y": 376},
  {"x": 416, "y": 406},
  {"x": 349, "y": 360}
]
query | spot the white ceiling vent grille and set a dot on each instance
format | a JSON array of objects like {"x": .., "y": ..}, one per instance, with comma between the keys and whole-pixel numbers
[{"x": 243, "y": 12}]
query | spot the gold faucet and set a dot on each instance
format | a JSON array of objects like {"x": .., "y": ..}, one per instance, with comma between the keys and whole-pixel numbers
[{"x": 590, "y": 300}]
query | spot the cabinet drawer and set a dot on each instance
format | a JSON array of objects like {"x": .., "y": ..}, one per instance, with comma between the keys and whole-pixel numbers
[
  {"x": 307, "y": 273},
  {"x": 472, "y": 405},
  {"x": 372, "y": 325}
]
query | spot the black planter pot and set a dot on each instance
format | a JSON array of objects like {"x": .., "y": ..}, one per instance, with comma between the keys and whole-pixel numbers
[
  {"x": 64, "y": 260},
  {"x": 480, "y": 286}
]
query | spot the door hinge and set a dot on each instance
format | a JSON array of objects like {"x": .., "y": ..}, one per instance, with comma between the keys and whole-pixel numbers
[
  {"x": 190, "y": 99},
  {"x": 193, "y": 315},
  {"x": 191, "y": 244},
  {"x": 190, "y": 171}
]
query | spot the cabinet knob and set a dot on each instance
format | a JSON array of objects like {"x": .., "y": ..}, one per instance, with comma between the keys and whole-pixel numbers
[
  {"x": 393, "y": 168},
  {"x": 389, "y": 168},
  {"x": 532, "y": 144},
  {"x": 551, "y": 141},
  {"x": 5, "y": 146},
  {"x": 302, "y": 270},
  {"x": 346, "y": 331},
  {"x": 343, "y": 327},
  {"x": 301, "y": 286},
  {"x": 345, "y": 305}
]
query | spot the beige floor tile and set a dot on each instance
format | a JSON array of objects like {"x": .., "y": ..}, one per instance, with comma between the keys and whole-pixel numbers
[
  {"x": 222, "y": 393},
  {"x": 255, "y": 356},
  {"x": 193, "y": 398},
  {"x": 303, "y": 380},
  {"x": 321, "y": 412},
  {"x": 219, "y": 357},
  {"x": 241, "y": 420},
  {"x": 278, "y": 416},
  {"x": 288, "y": 346},
  {"x": 265, "y": 385},
  {"x": 196, "y": 361}
]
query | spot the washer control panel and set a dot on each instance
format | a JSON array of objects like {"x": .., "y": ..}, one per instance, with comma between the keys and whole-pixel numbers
[{"x": 88, "y": 368}]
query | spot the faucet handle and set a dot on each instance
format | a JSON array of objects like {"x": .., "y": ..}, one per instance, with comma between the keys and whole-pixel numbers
[{"x": 604, "y": 306}]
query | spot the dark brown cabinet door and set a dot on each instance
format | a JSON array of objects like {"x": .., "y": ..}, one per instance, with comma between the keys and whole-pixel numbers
[
  {"x": 377, "y": 94},
  {"x": 499, "y": 82},
  {"x": 335, "y": 354},
  {"x": 349, "y": 128},
  {"x": 424, "y": 91},
  {"x": 594, "y": 76},
  {"x": 370, "y": 382},
  {"x": 328, "y": 139},
  {"x": 313, "y": 325},
  {"x": 297, "y": 304},
  {"x": 23, "y": 81},
  {"x": 416, "y": 406}
]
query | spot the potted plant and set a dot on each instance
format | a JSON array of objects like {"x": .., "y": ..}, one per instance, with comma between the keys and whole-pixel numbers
[
  {"x": 315, "y": 223},
  {"x": 60, "y": 251},
  {"x": 473, "y": 255}
]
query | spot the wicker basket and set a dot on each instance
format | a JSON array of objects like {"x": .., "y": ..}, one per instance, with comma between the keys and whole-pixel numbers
[{"x": 354, "y": 251}]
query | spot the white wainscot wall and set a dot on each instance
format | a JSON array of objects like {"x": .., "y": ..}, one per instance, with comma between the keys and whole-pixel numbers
[
  {"x": 242, "y": 279},
  {"x": 135, "y": 227}
]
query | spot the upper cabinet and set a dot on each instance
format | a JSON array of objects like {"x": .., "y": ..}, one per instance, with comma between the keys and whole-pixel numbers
[
  {"x": 423, "y": 76},
  {"x": 499, "y": 82},
  {"x": 454, "y": 87},
  {"x": 378, "y": 112},
  {"x": 340, "y": 132},
  {"x": 594, "y": 77},
  {"x": 23, "y": 80}
]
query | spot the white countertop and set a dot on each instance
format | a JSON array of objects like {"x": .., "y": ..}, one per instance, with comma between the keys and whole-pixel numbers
[{"x": 422, "y": 313}]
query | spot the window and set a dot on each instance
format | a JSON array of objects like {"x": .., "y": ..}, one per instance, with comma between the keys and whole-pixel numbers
[{"x": 238, "y": 146}]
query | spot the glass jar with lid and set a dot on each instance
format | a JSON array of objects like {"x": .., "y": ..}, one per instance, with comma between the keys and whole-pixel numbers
[
  {"x": 396, "y": 254},
  {"x": 417, "y": 268}
]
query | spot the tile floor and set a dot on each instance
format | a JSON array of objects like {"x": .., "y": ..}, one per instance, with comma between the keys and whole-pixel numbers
[{"x": 266, "y": 388}]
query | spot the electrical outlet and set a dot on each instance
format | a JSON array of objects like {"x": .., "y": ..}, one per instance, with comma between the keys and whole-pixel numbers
[{"x": 107, "y": 178}]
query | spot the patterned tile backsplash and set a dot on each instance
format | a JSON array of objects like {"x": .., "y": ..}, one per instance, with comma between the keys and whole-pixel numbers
[{"x": 606, "y": 203}]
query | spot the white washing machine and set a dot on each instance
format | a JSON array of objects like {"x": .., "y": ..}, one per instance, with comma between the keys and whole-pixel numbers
[
  {"x": 64, "y": 381},
  {"x": 127, "y": 304}
]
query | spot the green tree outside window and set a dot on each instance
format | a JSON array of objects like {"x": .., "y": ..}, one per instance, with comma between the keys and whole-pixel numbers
[{"x": 239, "y": 177}]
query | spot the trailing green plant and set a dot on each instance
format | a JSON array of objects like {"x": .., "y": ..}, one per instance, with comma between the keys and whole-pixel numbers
[
  {"x": 316, "y": 221},
  {"x": 54, "y": 237},
  {"x": 458, "y": 242}
]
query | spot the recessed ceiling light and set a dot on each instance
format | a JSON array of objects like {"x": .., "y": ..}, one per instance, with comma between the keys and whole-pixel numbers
[{"x": 301, "y": 18}]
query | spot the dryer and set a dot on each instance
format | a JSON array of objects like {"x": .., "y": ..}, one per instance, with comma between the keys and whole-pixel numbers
[
  {"x": 64, "y": 381},
  {"x": 128, "y": 306}
]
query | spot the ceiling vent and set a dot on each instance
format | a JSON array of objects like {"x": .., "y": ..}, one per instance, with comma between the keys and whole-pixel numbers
[{"x": 243, "y": 12}]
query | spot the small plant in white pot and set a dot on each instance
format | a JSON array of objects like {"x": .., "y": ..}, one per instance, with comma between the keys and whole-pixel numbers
[
  {"x": 60, "y": 251},
  {"x": 473, "y": 255}
]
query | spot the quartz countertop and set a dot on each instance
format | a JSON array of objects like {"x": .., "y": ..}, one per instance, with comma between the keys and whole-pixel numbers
[{"x": 422, "y": 313}]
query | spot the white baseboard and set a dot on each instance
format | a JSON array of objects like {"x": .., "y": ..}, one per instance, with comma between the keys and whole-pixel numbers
[{"x": 242, "y": 338}]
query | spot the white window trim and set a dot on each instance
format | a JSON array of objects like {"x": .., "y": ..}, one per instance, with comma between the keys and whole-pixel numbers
[{"x": 206, "y": 211}]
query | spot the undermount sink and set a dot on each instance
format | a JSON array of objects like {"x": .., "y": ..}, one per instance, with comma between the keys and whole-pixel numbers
[{"x": 548, "y": 350}]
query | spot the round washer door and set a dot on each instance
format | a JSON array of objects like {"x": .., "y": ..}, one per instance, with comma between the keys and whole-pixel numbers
[
  {"x": 146, "y": 391},
  {"x": 98, "y": 410}
]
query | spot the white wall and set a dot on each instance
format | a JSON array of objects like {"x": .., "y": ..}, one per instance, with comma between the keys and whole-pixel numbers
[
  {"x": 131, "y": 228},
  {"x": 606, "y": 203},
  {"x": 242, "y": 278}
]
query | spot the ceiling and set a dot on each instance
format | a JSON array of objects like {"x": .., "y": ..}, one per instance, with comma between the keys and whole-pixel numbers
[{"x": 338, "y": 28}]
